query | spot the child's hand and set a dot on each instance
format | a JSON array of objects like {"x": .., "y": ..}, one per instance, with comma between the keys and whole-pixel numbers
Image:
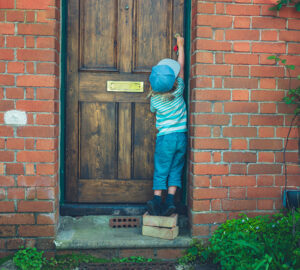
[{"x": 180, "y": 41}]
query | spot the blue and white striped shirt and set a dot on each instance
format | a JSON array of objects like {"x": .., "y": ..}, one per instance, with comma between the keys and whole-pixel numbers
[{"x": 171, "y": 115}]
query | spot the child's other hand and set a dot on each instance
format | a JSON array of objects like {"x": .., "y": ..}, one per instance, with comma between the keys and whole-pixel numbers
[{"x": 180, "y": 41}]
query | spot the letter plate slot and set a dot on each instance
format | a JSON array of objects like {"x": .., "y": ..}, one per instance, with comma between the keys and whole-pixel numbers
[{"x": 125, "y": 86}]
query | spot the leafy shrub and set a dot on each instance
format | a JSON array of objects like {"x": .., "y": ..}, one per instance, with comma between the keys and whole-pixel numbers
[
  {"x": 262, "y": 242},
  {"x": 29, "y": 259}
]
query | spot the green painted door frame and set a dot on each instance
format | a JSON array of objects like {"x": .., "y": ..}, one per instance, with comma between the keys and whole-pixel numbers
[{"x": 63, "y": 61}]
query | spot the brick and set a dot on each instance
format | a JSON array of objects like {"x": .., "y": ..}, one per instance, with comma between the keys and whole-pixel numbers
[
  {"x": 269, "y": 35},
  {"x": 265, "y": 144},
  {"x": 210, "y": 144},
  {"x": 36, "y": 131},
  {"x": 15, "y": 16},
  {"x": 210, "y": 169},
  {"x": 238, "y": 181},
  {"x": 204, "y": 32},
  {"x": 262, "y": 71},
  {"x": 36, "y": 55},
  {"x": 239, "y": 144},
  {"x": 213, "y": 70},
  {"x": 240, "y": 120},
  {"x": 264, "y": 192},
  {"x": 46, "y": 42},
  {"x": 210, "y": 193},
  {"x": 268, "y": 47},
  {"x": 266, "y": 157},
  {"x": 208, "y": 218},
  {"x": 237, "y": 58},
  {"x": 239, "y": 157},
  {"x": 241, "y": 47},
  {"x": 14, "y": 243},
  {"x": 294, "y": 24},
  {"x": 237, "y": 193},
  {"x": 265, "y": 180},
  {"x": 35, "y": 206},
  {"x": 266, "y": 95},
  {"x": 46, "y": 219},
  {"x": 216, "y": 21},
  {"x": 271, "y": 23},
  {"x": 241, "y": 83},
  {"x": 147, "y": 253},
  {"x": 238, "y": 205},
  {"x": 35, "y": 105},
  {"x": 6, "y": 231},
  {"x": 200, "y": 230},
  {"x": 29, "y": 169},
  {"x": 213, "y": 95},
  {"x": 210, "y": 119},
  {"x": 169, "y": 253},
  {"x": 36, "y": 230},
  {"x": 201, "y": 181},
  {"x": 239, "y": 132},
  {"x": 35, "y": 181},
  {"x": 31, "y": 193},
  {"x": 47, "y": 68},
  {"x": 204, "y": 57},
  {"x": 7, "y": 206},
  {"x": 16, "y": 193},
  {"x": 6, "y": 54},
  {"x": 240, "y": 169},
  {"x": 264, "y": 169},
  {"x": 238, "y": 34},
  {"x": 14, "y": 168},
  {"x": 6, "y": 131},
  {"x": 242, "y": 10},
  {"x": 160, "y": 221},
  {"x": 206, "y": 8},
  {"x": 7, "y": 28},
  {"x": 16, "y": 219},
  {"x": 32, "y": 4},
  {"x": 240, "y": 107},
  {"x": 2, "y": 194},
  {"x": 14, "y": 93},
  {"x": 7, "y": 80},
  {"x": 268, "y": 120},
  {"x": 289, "y": 36},
  {"x": 45, "y": 193},
  {"x": 6, "y": 181},
  {"x": 30, "y": 67},
  {"x": 212, "y": 45},
  {"x": 5, "y": 4},
  {"x": 268, "y": 108},
  {"x": 265, "y": 204},
  {"x": 36, "y": 156},
  {"x": 201, "y": 157},
  {"x": 36, "y": 81},
  {"x": 203, "y": 205},
  {"x": 241, "y": 71},
  {"x": 242, "y": 22}
]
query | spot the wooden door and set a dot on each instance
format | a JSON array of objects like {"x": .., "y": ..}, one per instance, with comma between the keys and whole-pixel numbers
[{"x": 110, "y": 135}]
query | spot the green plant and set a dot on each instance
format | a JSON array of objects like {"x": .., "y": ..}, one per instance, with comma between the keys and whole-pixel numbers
[
  {"x": 281, "y": 3},
  {"x": 135, "y": 259},
  {"x": 29, "y": 259}
]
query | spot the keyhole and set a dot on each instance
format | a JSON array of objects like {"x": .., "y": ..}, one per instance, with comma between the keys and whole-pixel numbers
[{"x": 126, "y": 7}]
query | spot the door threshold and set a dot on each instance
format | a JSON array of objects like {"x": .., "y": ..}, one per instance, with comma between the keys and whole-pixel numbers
[{"x": 94, "y": 232}]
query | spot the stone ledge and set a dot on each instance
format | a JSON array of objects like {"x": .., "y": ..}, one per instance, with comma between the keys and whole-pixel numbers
[{"x": 94, "y": 232}]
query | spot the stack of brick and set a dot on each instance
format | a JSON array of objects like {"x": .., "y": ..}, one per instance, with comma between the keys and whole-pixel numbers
[{"x": 161, "y": 227}]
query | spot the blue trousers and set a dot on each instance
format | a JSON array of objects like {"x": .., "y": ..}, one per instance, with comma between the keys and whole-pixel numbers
[{"x": 169, "y": 160}]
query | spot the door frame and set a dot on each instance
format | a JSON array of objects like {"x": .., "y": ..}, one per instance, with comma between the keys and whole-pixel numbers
[{"x": 82, "y": 209}]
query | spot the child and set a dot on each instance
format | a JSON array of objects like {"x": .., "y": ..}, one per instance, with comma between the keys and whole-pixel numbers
[{"x": 167, "y": 102}]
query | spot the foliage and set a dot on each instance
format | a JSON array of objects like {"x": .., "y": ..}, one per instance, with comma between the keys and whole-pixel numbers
[
  {"x": 134, "y": 259},
  {"x": 281, "y": 3},
  {"x": 293, "y": 95},
  {"x": 29, "y": 258},
  {"x": 262, "y": 242}
]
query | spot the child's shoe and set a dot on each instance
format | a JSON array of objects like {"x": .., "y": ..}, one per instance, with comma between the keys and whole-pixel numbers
[
  {"x": 153, "y": 206},
  {"x": 168, "y": 208}
]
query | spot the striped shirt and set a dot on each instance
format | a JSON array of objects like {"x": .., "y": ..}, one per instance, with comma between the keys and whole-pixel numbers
[{"x": 171, "y": 115}]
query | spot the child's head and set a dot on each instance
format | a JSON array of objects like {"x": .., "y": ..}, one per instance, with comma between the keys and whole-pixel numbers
[{"x": 163, "y": 75}]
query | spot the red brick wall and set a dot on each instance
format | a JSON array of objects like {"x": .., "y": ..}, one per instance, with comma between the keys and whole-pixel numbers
[
  {"x": 29, "y": 81},
  {"x": 238, "y": 124}
]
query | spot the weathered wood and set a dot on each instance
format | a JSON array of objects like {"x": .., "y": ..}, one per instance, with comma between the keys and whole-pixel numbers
[
  {"x": 115, "y": 191},
  {"x": 72, "y": 127},
  {"x": 111, "y": 135},
  {"x": 160, "y": 221},
  {"x": 164, "y": 233}
]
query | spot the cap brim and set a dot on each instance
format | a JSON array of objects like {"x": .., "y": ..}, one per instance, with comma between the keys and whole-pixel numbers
[{"x": 174, "y": 65}]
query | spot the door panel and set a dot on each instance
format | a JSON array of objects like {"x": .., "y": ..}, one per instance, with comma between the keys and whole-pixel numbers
[{"x": 111, "y": 135}]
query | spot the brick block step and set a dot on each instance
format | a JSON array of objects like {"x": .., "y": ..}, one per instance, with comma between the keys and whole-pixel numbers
[
  {"x": 159, "y": 221},
  {"x": 164, "y": 233},
  {"x": 124, "y": 222}
]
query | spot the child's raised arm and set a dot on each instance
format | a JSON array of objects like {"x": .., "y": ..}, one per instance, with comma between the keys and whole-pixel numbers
[{"x": 180, "y": 44}]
